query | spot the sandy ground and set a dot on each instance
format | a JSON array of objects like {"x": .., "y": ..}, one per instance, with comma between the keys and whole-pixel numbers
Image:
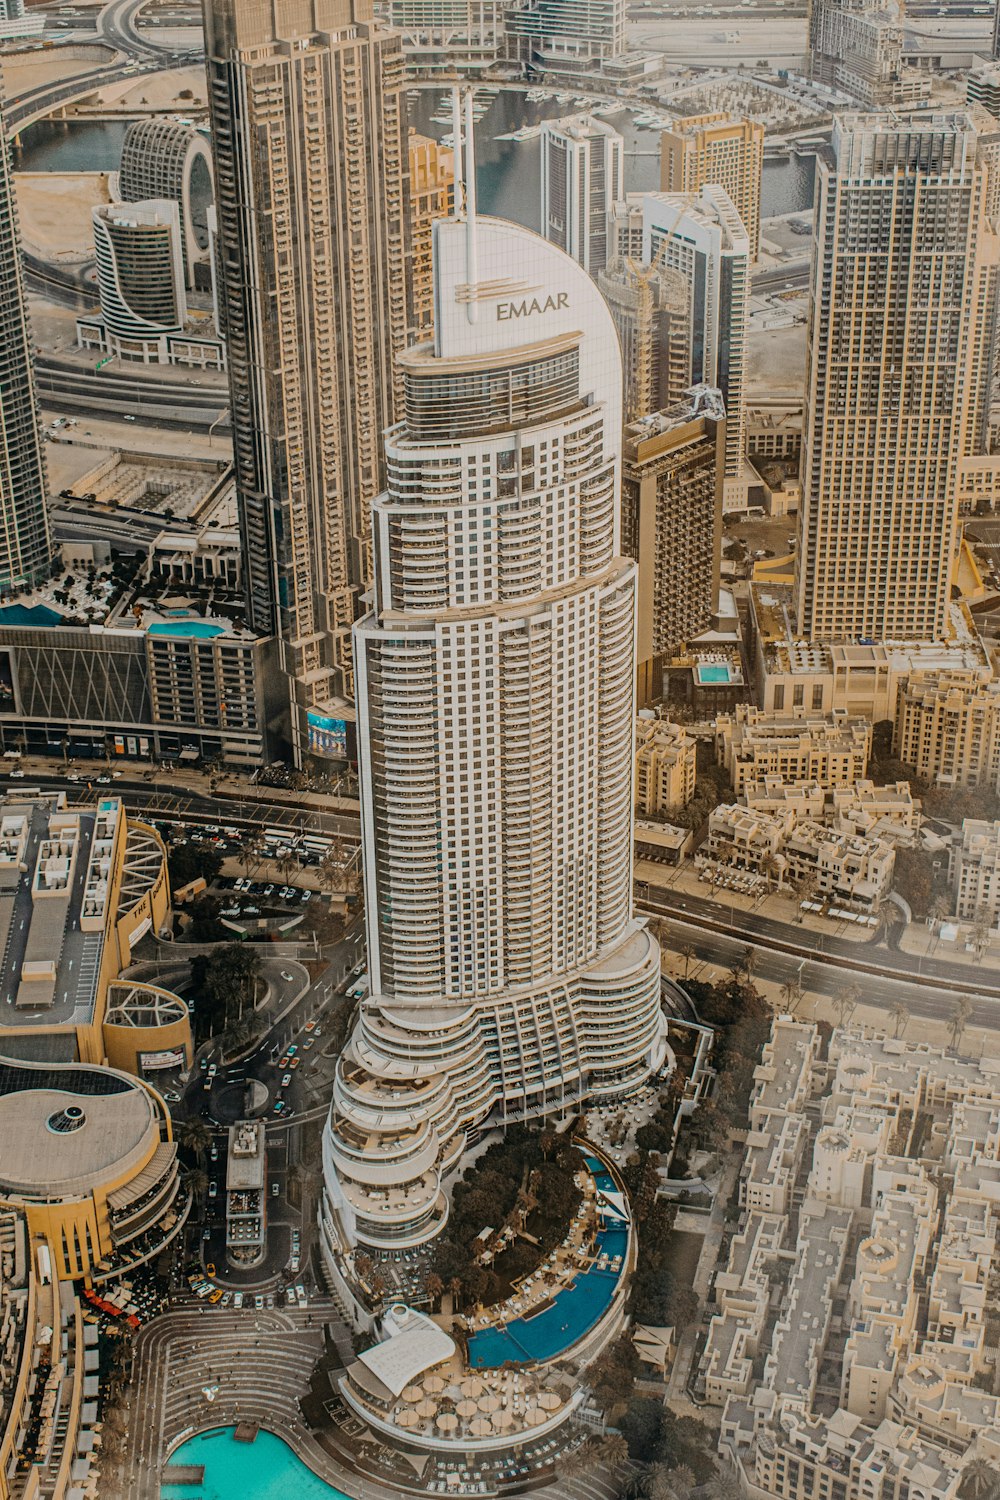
[
  {"x": 697, "y": 40},
  {"x": 158, "y": 91},
  {"x": 54, "y": 209},
  {"x": 91, "y": 436},
  {"x": 28, "y": 70},
  {"x": 776, "y": 357},
  {"x": 68, "y": 464}
]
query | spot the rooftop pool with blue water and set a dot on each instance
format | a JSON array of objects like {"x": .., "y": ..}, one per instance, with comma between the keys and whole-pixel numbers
[
  {"x": 570, "y": 1315},
  {"x": 203, "y": 629},
  {"x": 710, "y": 672},
  {"x": 265, "y": 1469},
  {"x": 29, "y": 614}
]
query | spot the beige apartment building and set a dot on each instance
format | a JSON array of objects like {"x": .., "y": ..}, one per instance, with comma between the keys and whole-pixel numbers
[
  {"x": 947, "y": 728},
  {"x": 871, "y": 1231},
  {"x": 432, "y": 189},
  {"x": 851, "y": 871},
  {"x": 896, "y": 382},
  {"x": 717, "y": 148},
  {"x": 309, "y": 136},
  {"x": 664, "y": 767},
  {"x": 672, "y": 477},
  {"x": 831, "y": 749},
  {"x": 975, "y": 871},
  {"x": 651, "y": 309}
]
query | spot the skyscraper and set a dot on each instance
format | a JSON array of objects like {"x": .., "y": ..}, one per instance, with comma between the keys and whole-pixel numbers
[
  {"x": 856, "y": 46},
  {"x": 702, "y": 236},
  {"x": 717, "y": 148},
  {"x": 566, "y": 36},
  {"x": 25, "y": 544},
  {"x": 169, "y": 159},
  {"x": 140, "y": 275},
  {"x": 310, "y": 156},
  {"x": 651, "y": 306},
  {"x": 583, "y": 165},
  {"x": 509, "y": 977},
  {"x": 900, "y": 339},
  {"x": 432, "y": 191}
]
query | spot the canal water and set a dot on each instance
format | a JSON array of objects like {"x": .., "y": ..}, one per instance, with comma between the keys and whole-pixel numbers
[{"x": 508, "y": 176}]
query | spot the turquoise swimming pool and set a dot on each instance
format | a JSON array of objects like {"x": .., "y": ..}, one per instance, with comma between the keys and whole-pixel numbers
[
  {"x": 25, "y": 614},
  {"x": 709, "y": 673},
  {"x": 200, "y": 628},
  {"x": 265, "y": 1469}
]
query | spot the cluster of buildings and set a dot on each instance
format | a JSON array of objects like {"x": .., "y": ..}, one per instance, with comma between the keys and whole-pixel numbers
[{"x": 850, "y": 1351}]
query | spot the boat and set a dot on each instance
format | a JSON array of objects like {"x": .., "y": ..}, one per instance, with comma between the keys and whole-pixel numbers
[
  {"x": 564, "y": 98},
  {"x": 527, "y": 133}
]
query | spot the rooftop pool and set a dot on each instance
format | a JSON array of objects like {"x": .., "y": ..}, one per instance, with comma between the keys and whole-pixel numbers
[
  {"x": 714, "y": 672},
  {"x": 203, "y": 629},
  {"x": 265, "y": 1469},
  {"x": 25, "y": 614}
]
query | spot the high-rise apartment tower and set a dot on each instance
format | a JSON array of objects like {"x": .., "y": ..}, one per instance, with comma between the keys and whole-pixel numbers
[
  {"x": 583, "y": 177},
  {"x": 509, "y": 977},
  {"x": 310, "y": 162},
  {"x": 717, "y": 148},
  {"x": 25, "y": 544},
  {"x": 900, "y": 338}
]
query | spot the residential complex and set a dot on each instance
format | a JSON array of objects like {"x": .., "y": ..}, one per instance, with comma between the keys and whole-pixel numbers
[
  {"x": 310, "y": 148},
  {"x": 496, "y": 716},
  {"x": 651, "y": 309},
  {"x": 877, "y": 532},
  {"x": 856, "y": 47},
  {"x": 672, "y": 525},
  {"x": 947, "y": 728},
  {"x": 664, "y": 766},
  {"x": 717, "y": 148},
  {"x": 449, "y": 36},
  {"x": 566, "y": 36},
  {"x": 975, "y": 872},
  {"x": 25, "y": 543},
  {"x": 832, "y": 750},
  {"x": 583, "y": 162},
  {"x": 702, "y": 236},
  {"x": 140, "y": 277},
  {"x": 849, "y": 871},
  {"x": 873, "y": 1279}
]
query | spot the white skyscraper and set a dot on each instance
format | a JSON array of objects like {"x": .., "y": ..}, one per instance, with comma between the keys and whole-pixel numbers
[
  {"x": 583, "y": 177},
  {"x": 495, "y": 682},
  {"x": 702, "y": 236}
]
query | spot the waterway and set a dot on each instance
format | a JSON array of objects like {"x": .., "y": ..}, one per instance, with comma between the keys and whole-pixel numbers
[
  {"x": 265, "y": 1469},
  {"x": 508, "y": 176}
]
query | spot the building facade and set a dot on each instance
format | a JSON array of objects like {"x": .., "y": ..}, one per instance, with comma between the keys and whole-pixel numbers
[
  {"x": 877, "y": 530},
  {"x": 565, "y": 36},
  {"x": 449, "y": 36},
  {"x": 948, "y": 728},
  {"x": 664, "y": 767},
  {"x": 651, "y": 309},
  {"x": 717, "y": 148},
  {"x": 702, "y": 236},
  {"x": 495, "y": 714},
  {"x": 975, "y": 872},
  {"x": 432, "y": 191},
  {"x": 583, "y": 167},
  {"x": 309, "y": 136},
  {"x": 172, "y": 160},
  {"x": 672, "y": 525},
  {"x": 831, "y": 749},
  {"x": 25, "y": 542},
  {"x": 140, "y": 276}
]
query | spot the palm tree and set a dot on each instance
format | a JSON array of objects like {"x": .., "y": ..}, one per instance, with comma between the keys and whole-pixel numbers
[
  {"x": 846, "y": 1003},
  {"x": 613, "y": 1450},
  {"x": 725, "y": 1486},
  {"x": 900, "y": 1014},
  {"x": 791, "y": 994},
  {"x": 195, "y": 1179},
  {"x": 958, "y": 1019},
  {"x": 981, "y": 931},
  {"x": 980, "y": 1481},
  {"x": 687, "y": 953},
  {"x": 194, "y": 1135},
  {"x": 251, "y": 850},
  {"x": 771, "y": 866}
]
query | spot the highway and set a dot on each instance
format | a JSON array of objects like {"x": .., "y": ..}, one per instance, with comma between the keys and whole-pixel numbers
[{"x": 64, "y": 386}]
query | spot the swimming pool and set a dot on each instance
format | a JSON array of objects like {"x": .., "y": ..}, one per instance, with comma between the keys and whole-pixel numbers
[
  {"x": 200, "y": 628},
  {"x": 25, "y": 614},
  {"x": 718, "y": 673},
  {"x": 265, "y": 1469},
  {"x": 572, "y": 1314}
]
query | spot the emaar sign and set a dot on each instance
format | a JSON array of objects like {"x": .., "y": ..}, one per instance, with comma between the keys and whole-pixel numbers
[{"x": 527, "y": 308}]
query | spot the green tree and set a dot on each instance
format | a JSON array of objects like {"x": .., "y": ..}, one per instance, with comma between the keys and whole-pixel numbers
[
  {"x": 980, "y": 1481},
  {"x": 194, "y": 1136},
  {"x": 900, "y": 1016},
  {"x": 958, "y": 1019}
]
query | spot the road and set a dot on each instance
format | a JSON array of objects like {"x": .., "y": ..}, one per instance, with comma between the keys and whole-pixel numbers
[{"x": 64, "y": 386}]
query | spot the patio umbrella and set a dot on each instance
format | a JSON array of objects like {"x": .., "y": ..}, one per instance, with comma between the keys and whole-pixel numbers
[
  {"x": 407, "y": 1419},
  {"x": 427, "y": 1409},
  {"x": 549, "y": 1401},
  {"x": 473, "y": 1387},
  {"x": 447, "y": 1421},
  {"x": 534, "y": 1418},
  {"x": 413, "y": 1393},
  {"x": 489, "y": 1403},
  {"x": 502, "y": 1420},
  {"x": 434, "y": 1384},
  {"x": 466, "y": 1408},
  {"x": 481, "y": 1427}
]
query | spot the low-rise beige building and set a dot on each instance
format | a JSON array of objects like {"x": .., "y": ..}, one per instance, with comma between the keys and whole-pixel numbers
[
  {"x": 947, "y": 727},
  {"x": 831, "y": 749},
  {"x": 664, "y": 766},
  {"x": 975, "y": 872}
]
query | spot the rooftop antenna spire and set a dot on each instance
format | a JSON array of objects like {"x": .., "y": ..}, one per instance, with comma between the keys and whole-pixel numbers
[
  {"x": 471, "y": 265},
  {"x": 456, "y": 138}
]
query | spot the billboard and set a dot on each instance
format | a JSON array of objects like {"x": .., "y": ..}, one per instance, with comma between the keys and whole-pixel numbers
[
  {"x": 152, "y": 1062},
  {"x": 327, "y": 736}
]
